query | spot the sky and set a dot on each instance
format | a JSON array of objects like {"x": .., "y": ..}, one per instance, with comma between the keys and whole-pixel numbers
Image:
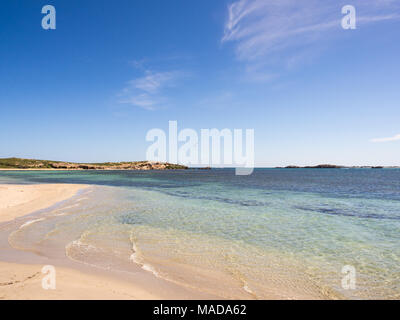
[{"x": 91, "y": 89}]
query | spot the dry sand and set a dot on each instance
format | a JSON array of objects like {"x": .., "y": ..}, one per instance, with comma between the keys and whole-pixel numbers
[
  {"x": 24, "y": 282},
  {"x": 20, "y": 200}
]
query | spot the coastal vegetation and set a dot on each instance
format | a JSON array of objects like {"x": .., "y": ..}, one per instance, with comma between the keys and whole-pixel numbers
[{"x": 18, "y": 163}]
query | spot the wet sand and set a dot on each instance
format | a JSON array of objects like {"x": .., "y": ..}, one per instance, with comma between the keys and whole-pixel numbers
[{"x": 21, "y": 273}]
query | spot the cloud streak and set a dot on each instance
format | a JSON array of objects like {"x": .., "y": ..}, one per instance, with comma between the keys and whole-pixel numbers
[
  {"x": 394, "y": 138},
  {"x": 261, "y": 28},
  {"x": 147, "y": 91},
  {"x": 153, "y": 82}
]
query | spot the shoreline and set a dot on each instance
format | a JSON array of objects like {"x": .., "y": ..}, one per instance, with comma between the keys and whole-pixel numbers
[
  {"x": 20, "y": 200},
  {"x": 32, "y": 169},
  {"x": 88, "y": 170},
  {"x": 21, "y": 272},
  {"x": 21, "y": 269}
]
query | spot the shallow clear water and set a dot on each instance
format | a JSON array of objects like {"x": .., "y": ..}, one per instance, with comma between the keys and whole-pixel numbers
[{"x": 280, "y": 232}]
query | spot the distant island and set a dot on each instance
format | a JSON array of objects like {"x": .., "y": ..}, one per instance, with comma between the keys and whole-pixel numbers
[
  {"x": 31, "y": 164},
  {"x": 333, "y": 166}
]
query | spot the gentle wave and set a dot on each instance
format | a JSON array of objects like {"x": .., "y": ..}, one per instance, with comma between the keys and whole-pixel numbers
[
  {"x": 28, "y": 223},
  {"x": 137, "y": 258}
]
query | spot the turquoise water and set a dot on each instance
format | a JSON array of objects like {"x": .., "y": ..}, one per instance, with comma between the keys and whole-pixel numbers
[{"x": 284, "y": 233}]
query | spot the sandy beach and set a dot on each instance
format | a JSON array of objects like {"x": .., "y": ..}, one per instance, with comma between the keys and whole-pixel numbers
[
  {"x": 20, "y": 200},
  {"x": 24, "y": 280},
  {"x": 21, "y": 281}
]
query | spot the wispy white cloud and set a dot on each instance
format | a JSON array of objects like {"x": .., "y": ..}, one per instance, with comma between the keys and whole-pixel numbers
[
  {"x": 394, "y": 138},
  {"x": 260, "y": 29},
  {"x": 153, "y": 82},
  {"x": 147, "y": 91},
  {"x": 142, "y": 100}
]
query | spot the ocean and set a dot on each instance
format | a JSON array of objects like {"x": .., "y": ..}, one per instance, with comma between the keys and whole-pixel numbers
[{"x": 281, "y": 233}]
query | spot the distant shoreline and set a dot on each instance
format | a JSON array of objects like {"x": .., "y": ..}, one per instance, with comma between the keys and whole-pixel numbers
[
  {"x": 337, "y": 167},
  {"x": 199, "y": 168},
  {"x": 33, "y": 164},
  {"x": 52, "y": 169},
  {"x": 19, "y": 164}
]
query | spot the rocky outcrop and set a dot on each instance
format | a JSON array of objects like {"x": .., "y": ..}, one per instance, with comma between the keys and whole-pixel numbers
[
  {"x": 142, "y": 165},
  {"x": 320, "y": 166},
  {"x": 325, "y": 166},
  {"x": 332, "y": 166}
]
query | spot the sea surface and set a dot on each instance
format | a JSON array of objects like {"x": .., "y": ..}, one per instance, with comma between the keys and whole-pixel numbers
[{"x": 281, "y": 233}]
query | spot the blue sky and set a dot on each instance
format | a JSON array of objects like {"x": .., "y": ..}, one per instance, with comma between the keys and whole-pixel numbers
[{"x": 112, "y": 70}]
